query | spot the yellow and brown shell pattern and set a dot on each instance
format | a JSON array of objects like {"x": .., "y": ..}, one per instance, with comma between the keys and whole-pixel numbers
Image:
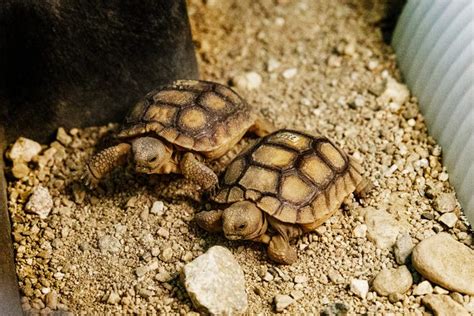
[
  {"x": 193, "y": 114},
  {"x": 293, "y": 176}
]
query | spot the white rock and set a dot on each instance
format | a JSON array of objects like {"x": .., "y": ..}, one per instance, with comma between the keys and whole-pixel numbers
[
  {"x": 360, "y": 288},
  {"x": 247, "y": 81},
  {"x": 403, "y": 247},
  {"x": 63, "y": 137},
  {"x": 360, "y": 231},
  {"x": 445, "y": 261},
  {"x": 282, "y": 302},
  {"x": 215, "y": 283},
  {"x": 390, "y": 281},
  {"x": 423, "y": 288},
  {"x": 300, "y": 279},
  {"x": 440, "y": 290},
  {"x": 445, "y": 202},
  {"x": 289, "y": 73},
  {"x": 448, "y": 219},
  {"x": 158, "y": 208},
  {"x": 382, "y": 228},
  {"x": 113, "y": 298},
  {"x": 40, "y": 202},
  {"x": 395, "y": 91},
  {"x": 108, "y": 243},
  {"x": 24, "y": 149},
  {"x": 297, "y": 295},
  {"x": 444, "y": 305},
  {"x": 272, "y": 64}
]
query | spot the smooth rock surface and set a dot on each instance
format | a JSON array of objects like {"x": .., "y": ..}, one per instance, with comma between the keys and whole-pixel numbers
[
  {"x": 360, "y": 288},
  {"x": 282, "y": 302},
  {"x": 445, "y": 261},
  {"x": 382, "y": 228},
  {"x": 24, "y": 149},
  {"x": 40, "y": 202},
  {"x": 215, "y": 283},
  {"x": 390, "y": 281},
  {"x": 448, "y": 219},
  {"x": 403, "y": 247},
  {"x": 423, "y": 288},
  {"x": 445, "y": 202},
  {"x": 443, "y": 305}
]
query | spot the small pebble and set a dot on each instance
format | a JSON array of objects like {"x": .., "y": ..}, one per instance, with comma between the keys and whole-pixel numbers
[
  {"x": 289, "y": 73},
  {"x": 108, "y": 243},
  {"x": 360, "y": 288},
  {"x": 300, "y": 279},
  {"x": 448, "y": 219},
  {"x": 247, "y": 81},
  {"x": 423, "y": 288},
  {"x": 282, "y": 302},
  {"x": 40, "y": 202},
  {"x": 445, "y": 203},
  {"x": 167, "y": 255},
  {"x": 360, "y": 231},
  {"x": 158, "y": 208}
]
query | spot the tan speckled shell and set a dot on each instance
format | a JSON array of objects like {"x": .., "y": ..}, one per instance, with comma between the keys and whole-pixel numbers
[
  {"x": 291, "y": 175},
  {"x": 193, "y": 114}
]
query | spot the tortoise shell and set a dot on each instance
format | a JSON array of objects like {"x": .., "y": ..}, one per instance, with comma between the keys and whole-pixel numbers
[
  {"x": 193, "y": 114},
  {"x": 293, "y": 176}
]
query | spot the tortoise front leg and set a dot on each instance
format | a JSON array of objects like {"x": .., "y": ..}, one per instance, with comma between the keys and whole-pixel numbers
[
  {"x": 104, "y": 162},
  {"x": 210, "y": 220},
  {"x": 261, "y": 127},
  {"x": 279, "y": 250},
  {"x": 198, "y": 172}
]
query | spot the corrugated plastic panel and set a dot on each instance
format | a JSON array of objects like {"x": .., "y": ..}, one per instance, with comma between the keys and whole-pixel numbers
[{"x": 434, "y": 43}]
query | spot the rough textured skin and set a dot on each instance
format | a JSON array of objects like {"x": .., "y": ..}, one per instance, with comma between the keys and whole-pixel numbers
[
  {"x": 196, "y": 115},
  {"x": 292, "y": 176},
  {"x": 106, "y": 160},
  {"x": 198, "y": 172}
]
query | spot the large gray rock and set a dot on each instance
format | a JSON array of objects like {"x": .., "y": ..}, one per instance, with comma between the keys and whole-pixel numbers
[
  {"x": 390, "y": 281},
  {"x": 443, "y": 305},
  {"x": 382, "y": 228},
  {"x": 445, "y": 261},
  {"x": 215, "y": 283}
]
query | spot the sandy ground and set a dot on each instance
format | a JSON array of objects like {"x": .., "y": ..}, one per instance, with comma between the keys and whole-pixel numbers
[{"x": 322, "y": 66}]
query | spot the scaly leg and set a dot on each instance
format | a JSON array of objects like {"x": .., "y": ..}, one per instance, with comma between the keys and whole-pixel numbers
[
  {"x": 210, "y": 220},
  {"x": 198, "y": 172},
  {"x": 279, "y": 250},
  {"x": 104, "y": 162}
]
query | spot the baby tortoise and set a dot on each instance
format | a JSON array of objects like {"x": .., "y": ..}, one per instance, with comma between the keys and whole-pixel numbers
[
  {"x": 176, "y": 128},
  {"x": 288, "y": 181}
]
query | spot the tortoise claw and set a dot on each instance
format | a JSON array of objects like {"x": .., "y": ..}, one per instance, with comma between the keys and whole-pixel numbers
[{"x": 89, "y": 180}]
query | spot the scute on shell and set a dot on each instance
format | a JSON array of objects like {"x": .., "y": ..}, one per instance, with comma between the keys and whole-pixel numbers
[
  {"x": 193, "y": 114},
  {"x": 294, "y": 176}
]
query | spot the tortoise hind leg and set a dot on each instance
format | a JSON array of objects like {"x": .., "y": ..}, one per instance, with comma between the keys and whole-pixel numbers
[
  {"x": 104, "y": 162},
  {"x": 198, "y": 172},
  {"x": 261, "y": 127},
  {"x": 279, "y": 250}
]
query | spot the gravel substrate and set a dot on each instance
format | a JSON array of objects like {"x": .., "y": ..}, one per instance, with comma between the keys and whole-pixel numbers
[{"x": 320, "y": 66}]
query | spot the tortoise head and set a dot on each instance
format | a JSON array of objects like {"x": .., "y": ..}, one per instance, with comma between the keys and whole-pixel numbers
[
  {"x": 149, "y": 154},
  {"x": 243, "y": 220}
]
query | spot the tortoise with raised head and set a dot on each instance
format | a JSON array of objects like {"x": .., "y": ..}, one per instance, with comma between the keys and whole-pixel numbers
[
  {"x": 290, "y": 181},
  {"x": 176, "y": 128}
]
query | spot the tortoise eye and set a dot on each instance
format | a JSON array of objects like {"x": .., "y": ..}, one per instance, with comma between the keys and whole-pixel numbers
[
  {"x": 241, "y": 226},
  {"x": 152, "y": 159}
]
